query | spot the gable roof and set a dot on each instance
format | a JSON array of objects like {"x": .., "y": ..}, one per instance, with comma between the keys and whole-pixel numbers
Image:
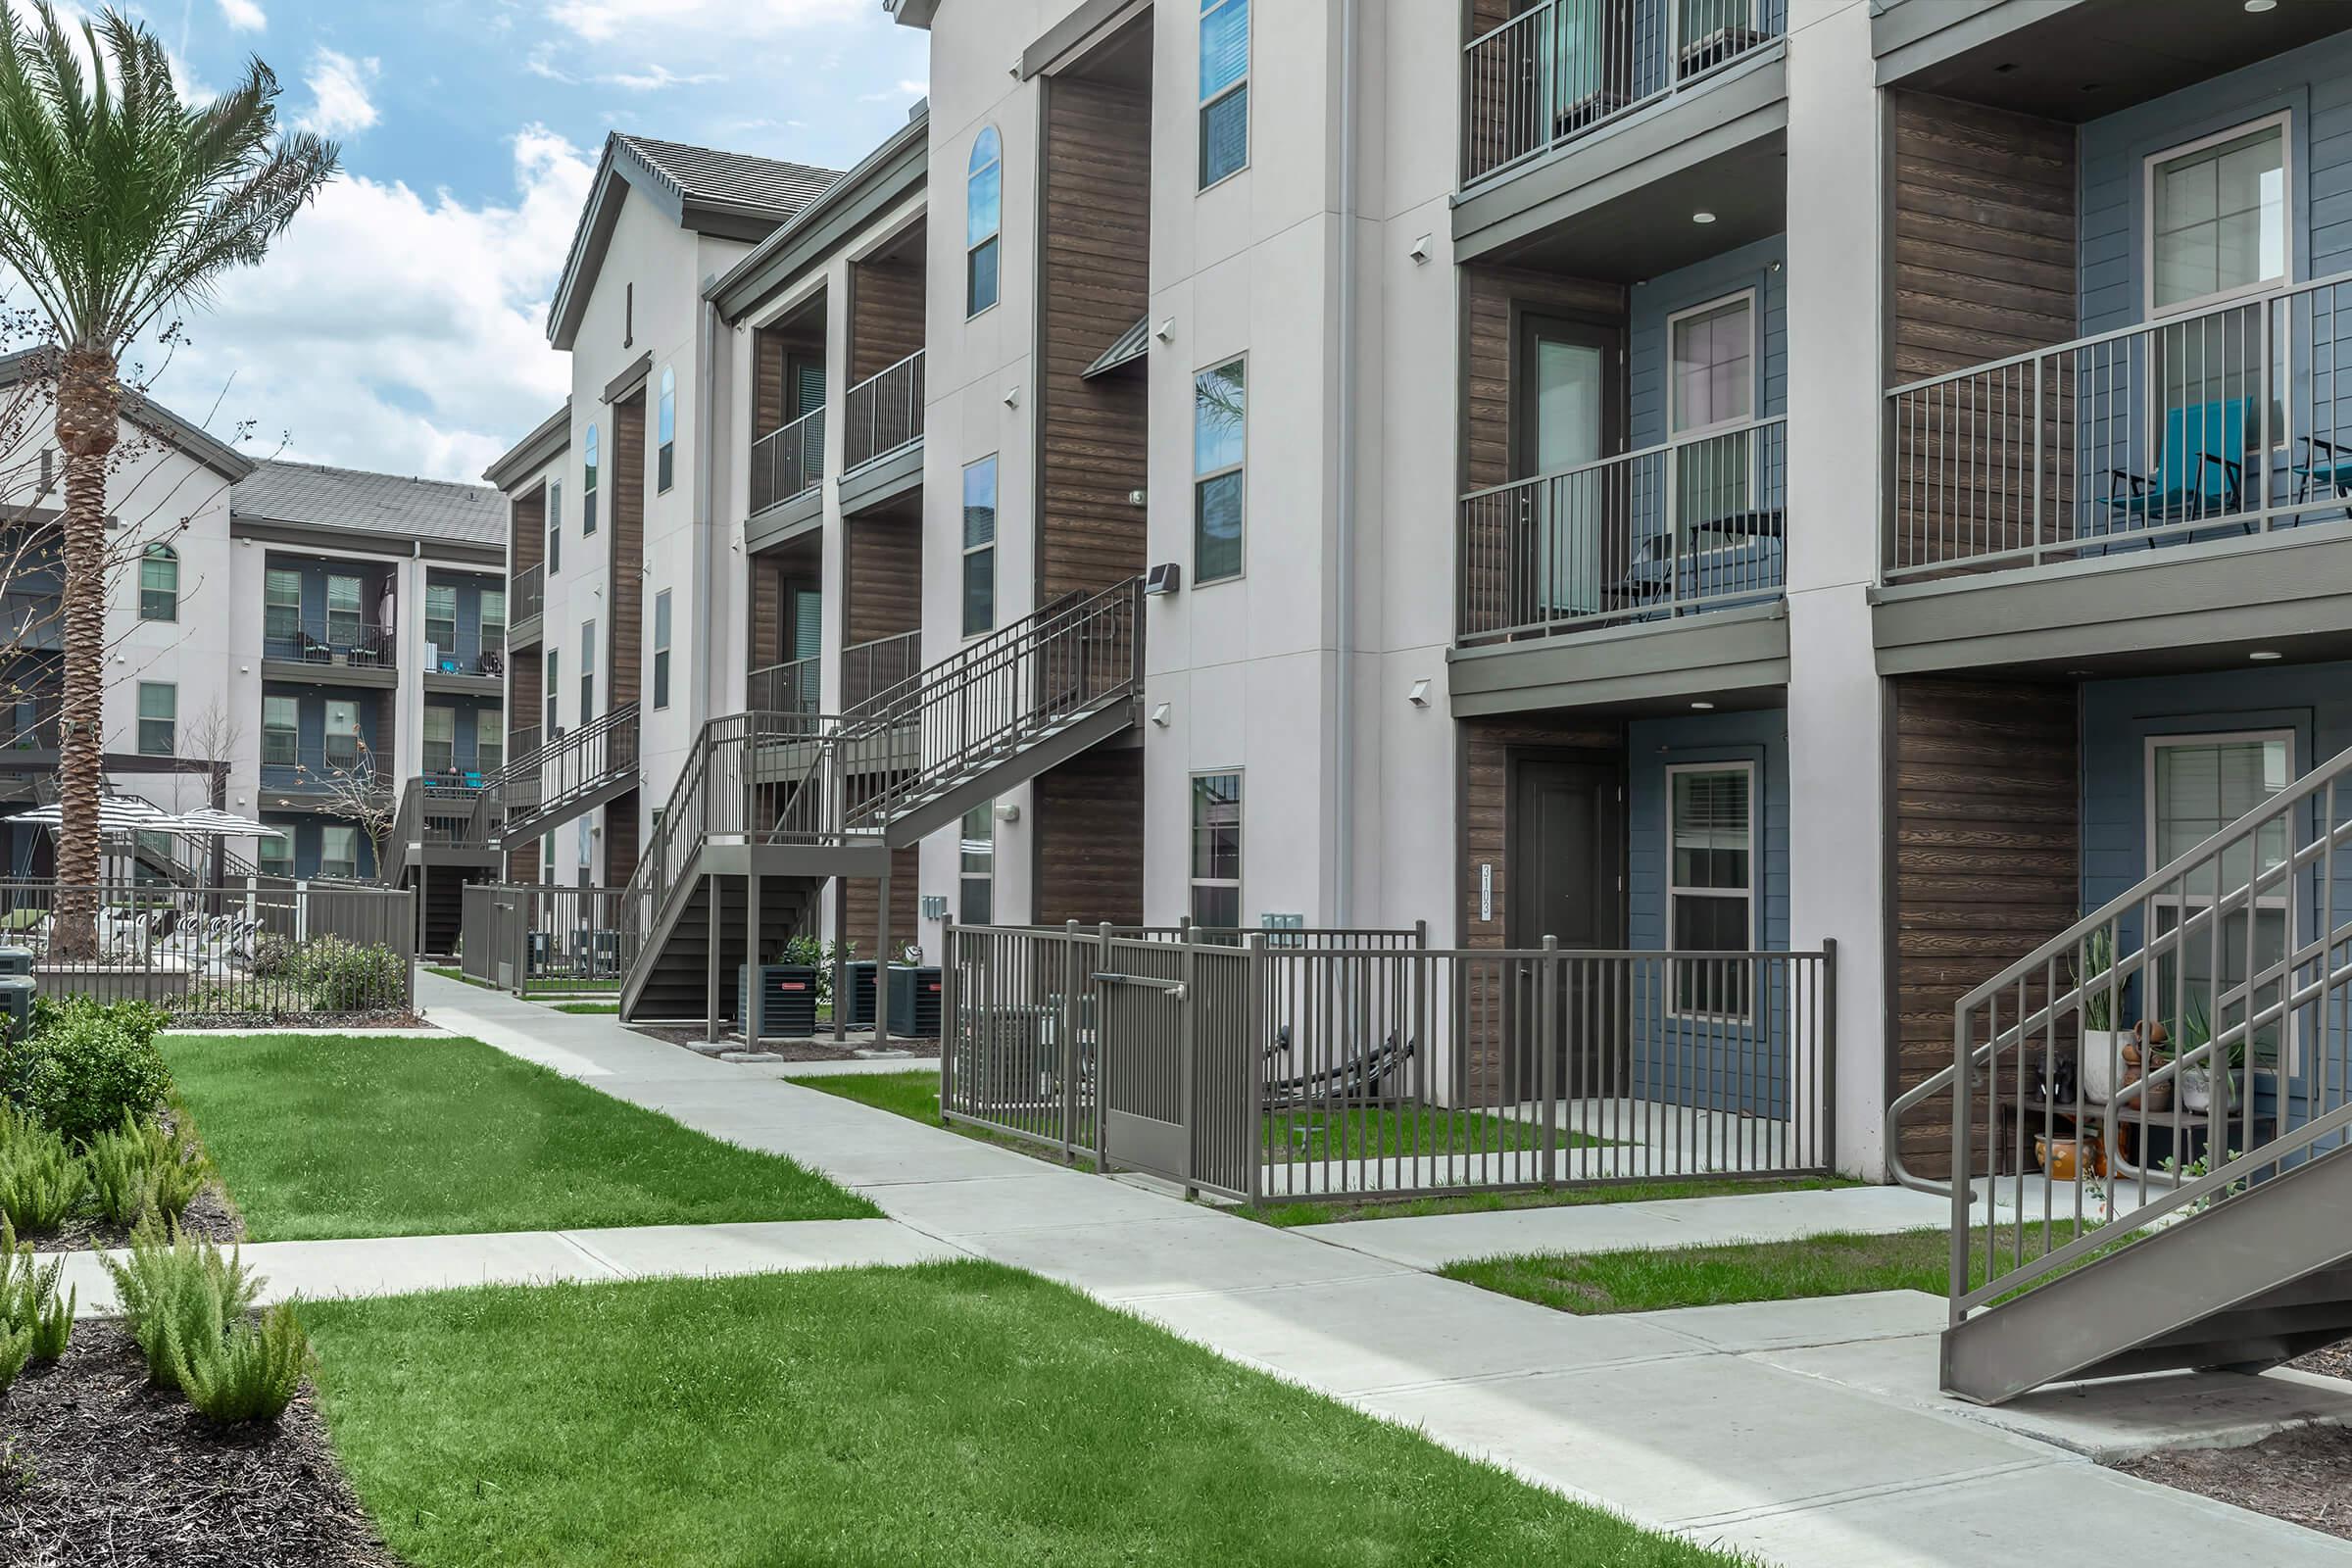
[
  {"x": 148, "y": 414},
  {"x": 734, "y": 195},
  {"x": 525, "y": 457},
  {"x": 312, "y": 495},
  {"x": 874, "y": 185}
]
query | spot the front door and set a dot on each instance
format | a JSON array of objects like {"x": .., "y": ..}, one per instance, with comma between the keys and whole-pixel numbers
[
  {"x": 1566, "y": 861},
  {"x": 1566, "y": 420}
]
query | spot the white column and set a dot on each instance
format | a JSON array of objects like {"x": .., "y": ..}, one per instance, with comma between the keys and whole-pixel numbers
[{"x": 1837, "y": 739}]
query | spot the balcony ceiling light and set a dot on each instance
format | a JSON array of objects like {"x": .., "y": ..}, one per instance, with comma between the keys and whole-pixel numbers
[
  {"x": 1703, "y": 215},
  {"x": 2258, "y": 6},
  {"x": 2262, "y": 655},
  {"x": 1704, "y": 708}
]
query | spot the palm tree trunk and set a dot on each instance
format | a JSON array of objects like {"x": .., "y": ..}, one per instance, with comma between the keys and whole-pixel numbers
[{"x": 89, "y": 401}]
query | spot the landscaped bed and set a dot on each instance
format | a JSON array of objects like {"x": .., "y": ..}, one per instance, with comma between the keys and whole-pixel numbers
[
  {"x": 953, "y": 1413},
  {"x": 320, "y": 1136},
  {"x": 1650, "y": 1280}
]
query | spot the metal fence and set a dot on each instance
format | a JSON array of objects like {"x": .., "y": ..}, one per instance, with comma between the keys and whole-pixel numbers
[
  {"x": 258, "y": 949},
  {"x": 1696, "y": 524},
  {"x": 883, "y": 413},
  {"x": 787, "y": 462},
  {"x": 795, "y": 686},
  {"x": 1370, "y": 1065},
  {"x": 340, "y": 641},
  {"x": 526, "y": 596},
  {"x": 523, "y": 938}
]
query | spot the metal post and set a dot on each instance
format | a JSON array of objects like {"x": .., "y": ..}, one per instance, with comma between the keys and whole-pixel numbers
[
  {"x": 1187, "y": 1079},
  {"x": 1067, "y": 1062},
  {"x": 882, "y": 953},
  {"x": 710, "y": 944},
  {"x": 841, "y": 959},
  {"x": 751, "y": 954},
  {"x": 1960, "y": 1175},
  {"x": 1547, "y": 1065},
  {"x": 1827, "y": 1074},
  {"x": 1102, "y": 1053},
  {"x": 950, "y": 1021},
  {"x": 1253, "y": 1059}
]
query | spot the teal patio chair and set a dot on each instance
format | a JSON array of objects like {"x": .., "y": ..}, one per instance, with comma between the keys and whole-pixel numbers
[
  {"x": 2325, "y": 469},
  {"x": 2200, "y": 470}
]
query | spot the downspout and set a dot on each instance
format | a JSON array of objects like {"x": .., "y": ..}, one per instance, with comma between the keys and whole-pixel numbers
[
  {"x": 1344, "y": 531},
  {"x": 705, "y": 693}
]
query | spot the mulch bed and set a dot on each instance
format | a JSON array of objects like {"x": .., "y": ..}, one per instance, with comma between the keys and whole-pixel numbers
[
  {"x": 279, "y": 1022},
  {"x": 2303, "y": 1476},
  {"x": 97, "y": 1467},
  {"x": 210, "y": 1215},
  {"x": 786, "y": 1049}
]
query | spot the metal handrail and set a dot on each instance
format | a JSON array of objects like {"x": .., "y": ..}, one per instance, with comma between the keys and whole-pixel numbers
[
  {"x": 794, "y": 686},
  {"x": 577, "y": 762},
  {"x": 328, "y": 640},
  {"x": 527, "y": 594},
  {"x": 789, "y": 462},
  {"x": 883, "y": 414},
  {"x": 876, "y": 669},
  {"x": 1692, "y": 524}
]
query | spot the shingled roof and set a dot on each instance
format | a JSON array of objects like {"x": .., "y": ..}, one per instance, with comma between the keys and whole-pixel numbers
[
  {"x": 706, "y": 174},
  {"x": 314, "y": 496}
]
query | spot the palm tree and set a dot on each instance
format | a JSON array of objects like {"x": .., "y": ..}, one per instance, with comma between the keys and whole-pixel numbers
[{"x": 117, "y": 202}]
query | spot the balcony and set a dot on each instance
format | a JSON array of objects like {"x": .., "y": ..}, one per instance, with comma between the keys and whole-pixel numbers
[
  {"x": 789, "y": 463},
  {"x": 322, "y": 770},
  {"x": 526, "y": 605},
  {"x": 340, "y": 648},
  {"x": 464, "y": 658},
  {"x": 2171, "y": 482},
  {"x": 1564, "y": 69},
  {"x": 792, "y": 687},
  {"x": 882, "y": 437}
]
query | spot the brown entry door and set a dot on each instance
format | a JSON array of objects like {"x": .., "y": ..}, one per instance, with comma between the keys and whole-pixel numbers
[{"x": 1567, "y": 854}]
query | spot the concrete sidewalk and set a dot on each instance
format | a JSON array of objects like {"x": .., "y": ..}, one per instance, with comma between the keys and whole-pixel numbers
[
  {"x": 1793, "y": 1430},
  {"x": 392, "y": 1265}
]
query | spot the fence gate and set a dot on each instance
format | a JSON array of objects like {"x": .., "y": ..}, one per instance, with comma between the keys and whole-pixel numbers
[{"x": 1180, "y": 1075}]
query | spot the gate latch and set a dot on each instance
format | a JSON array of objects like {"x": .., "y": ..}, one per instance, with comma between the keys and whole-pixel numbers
[{"x": 1174, "y": 988}]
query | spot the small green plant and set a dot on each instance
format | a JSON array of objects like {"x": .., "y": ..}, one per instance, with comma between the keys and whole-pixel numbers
[
  {"x": 241, "y": 1370},
  {"x": 16, "y": 1349},
  {"x": 2098, "y": 956},
  {"x": 813, "y": 953},
  {"x": 41, "y": 1178},
  {"x": 29, "y": 1304},
  {"x": 170, "y": 1286},
  {"x": 340, "y": 977},
  {"x": 141, "y": 1168},
  {"x": 82, "y": 1066}
]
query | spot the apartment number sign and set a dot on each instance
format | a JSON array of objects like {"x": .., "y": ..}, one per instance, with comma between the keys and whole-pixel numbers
[{"x": 1485, "y": 890}]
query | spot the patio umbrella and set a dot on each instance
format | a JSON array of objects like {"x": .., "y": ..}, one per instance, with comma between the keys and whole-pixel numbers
[
  {"x": 117, "y": 814},
  {"x": 208, "y": 819}
]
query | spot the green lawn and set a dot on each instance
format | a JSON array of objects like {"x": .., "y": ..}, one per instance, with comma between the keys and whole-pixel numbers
[
  {"x": 336, "y": 1137},
  {"x": 1840, "y": 1264},
  {"x": 542, "y": 987},
  {"x": 916, "y": 1097},
  {"x": 955, "y": 1413},
  {"x": 608, "y": 1008},
  {"x": 1651, "y": 1192}
]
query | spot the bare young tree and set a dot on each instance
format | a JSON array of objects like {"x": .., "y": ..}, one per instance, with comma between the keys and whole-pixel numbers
[{"x": 356, "y": 794}]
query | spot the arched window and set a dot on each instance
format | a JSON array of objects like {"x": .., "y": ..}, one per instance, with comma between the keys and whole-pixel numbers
[
  {"x": 159, "y": 583},
  {"x": 983, "y": 221},
  {"x": 665, "y": 429},
  {"x": 588, "y": 465}
]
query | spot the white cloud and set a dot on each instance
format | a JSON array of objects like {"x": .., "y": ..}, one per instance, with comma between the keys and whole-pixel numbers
[
  {"x": 243, "y": 15},
  {"x": 657, "y": 78},
  {"x": 598, "y": 20},
  {"x": 392, "y": 328},
  {"x": 903, "y": 90},
  {"x": 339, "y": 84}
]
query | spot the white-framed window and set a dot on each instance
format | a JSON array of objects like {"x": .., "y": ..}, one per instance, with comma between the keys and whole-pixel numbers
[
  {"x": 1224, "y": 90},
  {"x": 661, "y": 649},
  {"x": 274, "y": 856},
  {"x": 980, "y": 546},
  {"x": 343, "y": 613},
  {"x": 1220, "y": 450},
  {"x": 2196, "y": 786},
  {"x": 983, "y": 221},
  {"x": 440, "y": 739},
  {"x": 344, "y": 750},
  {"x": 159, "y": 583},
  {"x": 338, "y": 850},
  {"x": 441, "y": 617},
  {"x": 665, "y": 429},
  {"x": 494, "y": 618},
  {"x": 281, "y": 731},
  {"x": 587, "y": 671},
  {"x": 1711, "y": 365},
  {"x": 159, "y": 718},
  {"x": 2218, "y": 217},
  {"x": 976, "y": 866},
  {"x": 554, "y": 526},
  {"x": 1216, "y": 850},
  {"x": 282, "y": 605},
  {"x": 1710, "y": 885},
  {"x": 554, "y": 725},
  {"x": 489, "y": 740},
  {"x": 590, "y": 463}
]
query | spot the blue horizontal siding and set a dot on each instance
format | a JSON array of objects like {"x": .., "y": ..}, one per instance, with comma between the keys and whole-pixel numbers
[{"x": 1761, "y": 266}]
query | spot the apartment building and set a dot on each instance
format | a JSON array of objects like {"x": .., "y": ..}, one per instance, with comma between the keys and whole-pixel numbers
[{"x": 1671, "y": 474}]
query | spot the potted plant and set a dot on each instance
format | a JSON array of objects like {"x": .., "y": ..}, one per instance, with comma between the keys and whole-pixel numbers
[
  {"x": 2102, "y": 1043},
  {"x": 2196, "y": 1083}
]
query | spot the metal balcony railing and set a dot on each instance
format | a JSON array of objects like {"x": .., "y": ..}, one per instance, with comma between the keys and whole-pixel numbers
[
  {"x": 1562, "y": 68},
  {"x": 332, "y": 641},
  {"x": 1696, "y": 524},
  {"x": 527, "y": 594},
  {"x": 521, "y": 742},
  {"x": 792, "y": 687},
  {"x": 869, "y": 669},
  {"x": 468, "y": 650},
  {"x": 2213, "y": 424},
  {"x": 883, "y": 414},
  {"x": 789, "y": 462},
  {"x": 319, "y": 769}
]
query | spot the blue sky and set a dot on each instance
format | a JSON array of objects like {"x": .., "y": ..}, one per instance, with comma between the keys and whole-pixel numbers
[{"x": 399, "y": 325}]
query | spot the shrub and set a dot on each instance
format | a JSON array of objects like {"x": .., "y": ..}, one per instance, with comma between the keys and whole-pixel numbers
[
  {"x": 16, "y": 1349},
  {"x": 141, "y": 1168},
  {"x": 343, "y": 976},
  {"x": 248, "y": 1372},
  {"x": 273, "y": 955},
  {"x": 84, "y": 1065},
  {"x": 29, "y": 1304},
  {"x": 172, "y": 1289},
  {"x": 41, "y": 1179}
]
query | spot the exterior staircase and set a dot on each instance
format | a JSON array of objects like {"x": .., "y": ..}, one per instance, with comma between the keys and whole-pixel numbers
[
  {"x": 563, "y": 780},
  {"x": 798, "y": 799},
  {"x": 437, "y": 843},
  {"x": 2215, "y": 1237}
]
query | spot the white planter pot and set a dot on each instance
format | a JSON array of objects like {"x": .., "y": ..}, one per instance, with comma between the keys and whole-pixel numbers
[
  {"x": 2102, "y": 1063},
  {"x": 2196, "y": 1088}
]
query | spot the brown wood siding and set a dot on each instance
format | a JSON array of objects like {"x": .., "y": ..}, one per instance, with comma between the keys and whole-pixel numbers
[
  {"x": 1988, "y": 859},
  {"x": 526, "y": 533},
  {"x": 767, "y": 380},
  {"x": 882, "y": 573},
  {"x": 526, "y": 693},
  {"x": 620, "y": 839},
  {"x": 1089, "y": 817},
  {"x": 767, "y": 614},
  {"x": 1492, "y": 297},
  {"x": 1093, "y": 282},
  {"x": 624, "y": 591},
  {"x": 864, "y": 904},
  {"x": 886, "y": 310}
]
